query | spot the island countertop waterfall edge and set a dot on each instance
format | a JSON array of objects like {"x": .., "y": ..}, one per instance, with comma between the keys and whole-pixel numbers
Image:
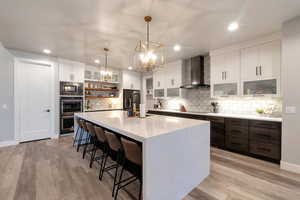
[{"x": 176, "y": 151}]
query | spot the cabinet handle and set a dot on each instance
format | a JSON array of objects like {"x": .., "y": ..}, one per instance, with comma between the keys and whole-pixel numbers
[
  {"x": 172, "y": 82},
  {"x": 260, "y": 73},
  {"x": 158, "y": 84},
  {"x": 222, "y": 75},
  {"x": 256, "y": 71},
  {"x": 225, "y": 75}
]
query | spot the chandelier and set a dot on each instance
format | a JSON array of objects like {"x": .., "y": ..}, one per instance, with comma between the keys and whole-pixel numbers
[
  {"x": 149, "y": 55},
  {"x": 106, "y": 75}
]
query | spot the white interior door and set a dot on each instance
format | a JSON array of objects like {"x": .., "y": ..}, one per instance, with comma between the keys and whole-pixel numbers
[{"x": 35, "y": 101}]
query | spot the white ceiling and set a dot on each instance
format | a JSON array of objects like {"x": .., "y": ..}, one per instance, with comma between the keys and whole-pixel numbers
[{"x": 80, "y": 29}]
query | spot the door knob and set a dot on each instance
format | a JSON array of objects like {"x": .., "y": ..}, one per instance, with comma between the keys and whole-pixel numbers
[{"x": 47, "y": 110}]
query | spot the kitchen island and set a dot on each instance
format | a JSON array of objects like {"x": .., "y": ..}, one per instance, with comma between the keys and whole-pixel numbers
[{"x": 176, "y": 151}]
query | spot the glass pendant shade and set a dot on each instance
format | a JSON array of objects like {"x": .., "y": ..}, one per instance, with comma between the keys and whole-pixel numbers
[{"x": 149, "y": 55}]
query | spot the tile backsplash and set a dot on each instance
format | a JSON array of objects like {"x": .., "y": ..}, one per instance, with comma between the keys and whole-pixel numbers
[{"x": 105, "y": 103}]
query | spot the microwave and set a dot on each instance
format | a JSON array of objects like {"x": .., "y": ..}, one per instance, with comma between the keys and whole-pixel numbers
[{"x": 71, "y": 88}]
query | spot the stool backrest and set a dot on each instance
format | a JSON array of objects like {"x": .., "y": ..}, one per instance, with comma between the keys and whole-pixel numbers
[
  {"x": 100, "y": 134},
  {"x": 91, "y": 129},
  {"x": 83, "y": 122},
  {"x": 113, "y": 141},
  {"x": 133, "y": 151}
]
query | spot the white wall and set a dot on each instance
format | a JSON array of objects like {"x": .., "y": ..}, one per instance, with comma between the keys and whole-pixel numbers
[
  {"x": 6, "y": 96},
  {"x": 291, "y": 94}
]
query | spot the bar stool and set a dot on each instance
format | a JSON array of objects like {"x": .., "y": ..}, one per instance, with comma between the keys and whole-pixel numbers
[
  {"x": 92, "y": 140},
  {"x": 83, "y": 130},
  {"x": 100, "y": 143},
  {"x": 79, "y": 128},
  {"x": 115, "y": 152},
  {"x": 133, "y": 155}
]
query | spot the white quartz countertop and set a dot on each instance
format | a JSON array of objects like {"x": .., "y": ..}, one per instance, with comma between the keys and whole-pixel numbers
[
  {"x": 137, "y": 128},
  {"x": 240, "y": 116}
]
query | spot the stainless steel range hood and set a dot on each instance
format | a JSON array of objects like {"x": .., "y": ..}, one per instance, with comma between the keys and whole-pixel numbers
[{"x": 193, "y": 73}]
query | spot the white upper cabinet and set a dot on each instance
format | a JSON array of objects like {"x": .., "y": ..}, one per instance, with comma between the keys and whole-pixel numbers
[
  {"x": 252, "y": 68},
  {"x": 159, "y": 79},
  {"x": 225, "y": 74},
  {"x": 260, "y": 69},
  {"x": 71, "y": 71},
  {"x": 131, "y": 80},
  {"x": 173, "y": 74},
  {"x": 261, "y": 62},
  {"x": 225, "y": 68}
]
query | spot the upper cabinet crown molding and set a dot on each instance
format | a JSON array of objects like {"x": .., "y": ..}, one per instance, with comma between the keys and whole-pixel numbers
[{"x": 246, "y": 44}]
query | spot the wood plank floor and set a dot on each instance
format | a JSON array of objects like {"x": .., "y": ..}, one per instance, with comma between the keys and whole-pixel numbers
[{"x": 53, "y": 170}]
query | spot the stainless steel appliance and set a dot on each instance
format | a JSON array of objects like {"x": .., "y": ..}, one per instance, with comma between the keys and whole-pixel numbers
[
  {"x": 68, "y": 106},
  {"x": 131, "y": 97},
  {"x": 194, "y": 73},
  {"x": 71, "y": 88}
]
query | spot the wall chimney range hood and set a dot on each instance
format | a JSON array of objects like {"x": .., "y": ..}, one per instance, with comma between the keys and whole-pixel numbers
[{"x": 194, "y": 73}]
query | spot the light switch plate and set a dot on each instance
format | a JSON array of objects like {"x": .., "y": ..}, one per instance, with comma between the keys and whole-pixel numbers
[{"x": 290, "y": 109}]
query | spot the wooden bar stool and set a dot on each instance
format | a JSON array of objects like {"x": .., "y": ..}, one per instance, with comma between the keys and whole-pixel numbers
[
  {"x": 100, "y": 143},
  {"x": 83, "y": 130},
  {"x": 115, "y": 152},
  {"x": 79, "y": 129},
  {"x": 133, "y": 155},
  {"x": 92, "y": 140}
]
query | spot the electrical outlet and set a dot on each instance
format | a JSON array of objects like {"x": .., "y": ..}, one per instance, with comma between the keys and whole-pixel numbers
[
  {"x": 290, "y": 110},
  {"x": 4, "y": 107}
]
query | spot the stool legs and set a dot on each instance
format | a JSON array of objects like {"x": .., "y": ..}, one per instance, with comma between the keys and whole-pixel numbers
[
  {"x": 80, "y": 139},
  {"x": 75, "y": 138}
]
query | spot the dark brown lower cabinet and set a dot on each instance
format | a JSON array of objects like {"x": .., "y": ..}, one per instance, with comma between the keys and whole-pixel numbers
[
  {"x": 265, "y": 139},
  {"x": 237, "y": 135},
  {"x": 255, "y": 138}
]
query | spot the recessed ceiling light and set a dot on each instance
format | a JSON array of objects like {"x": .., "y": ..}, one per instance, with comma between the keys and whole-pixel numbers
[
  {"x": 97, "y": 61},
  {"x": 47, "y": 51},
  {"x": 233, "y": 27},
  {"x": 130, "y": 68},
  {"x": 177, "y": 47}
]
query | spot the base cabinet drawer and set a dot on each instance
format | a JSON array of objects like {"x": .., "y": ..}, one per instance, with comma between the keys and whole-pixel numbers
[
  {"x": 265, "y": 135},
  {"x": 265, "y": 149},
  {"x": 237, "y": 144}
]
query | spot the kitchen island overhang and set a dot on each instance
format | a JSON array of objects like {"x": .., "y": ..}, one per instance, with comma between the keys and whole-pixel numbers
[{"x": 176, "y": 151}]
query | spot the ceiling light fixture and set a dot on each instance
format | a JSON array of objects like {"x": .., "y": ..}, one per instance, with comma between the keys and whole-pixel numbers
[
  {"x": 97, "y": 61},
  {"x": 107, "y": 75},
  {"x": 233, "y": 27},
  {"x": 47, "y": 51},
  {"x": 177, "y": 47},
  {"x": 149, "y": 55},
  {"x": 130, "y": 68}
]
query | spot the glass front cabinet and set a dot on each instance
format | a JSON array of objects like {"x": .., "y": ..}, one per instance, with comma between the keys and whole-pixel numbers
[{"x": 250, "y": 71}]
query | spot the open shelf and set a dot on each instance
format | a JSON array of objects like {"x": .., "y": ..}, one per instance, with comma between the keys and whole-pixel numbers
[
  {"x": 95, "y": 80},
  {"x": 102, "y": 89},
  {"x": 99, "y": 97}
]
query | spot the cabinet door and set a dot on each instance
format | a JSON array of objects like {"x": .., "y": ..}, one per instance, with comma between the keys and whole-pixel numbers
[
  {"x": 78, "y": 70},
  {"x": 158, "y": 79},
  {"x": 217, "y": 69},
  {"x": 131, "y": 80},
  {"x": 250, "y": 63},
  {"x": 232, "y": 68},
  {"x": 270, "y": 60},
  {"x": 66, "y": 72},
  {"x": 173, "y": 74}
]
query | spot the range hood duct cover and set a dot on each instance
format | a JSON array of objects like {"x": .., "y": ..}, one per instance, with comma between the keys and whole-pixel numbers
[{"x": 194, "y": 73}]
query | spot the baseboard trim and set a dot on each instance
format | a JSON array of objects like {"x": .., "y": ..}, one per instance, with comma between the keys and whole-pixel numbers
[
  {"x": 8, "y": 143},
  {"x": 290, "y": 167}
]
